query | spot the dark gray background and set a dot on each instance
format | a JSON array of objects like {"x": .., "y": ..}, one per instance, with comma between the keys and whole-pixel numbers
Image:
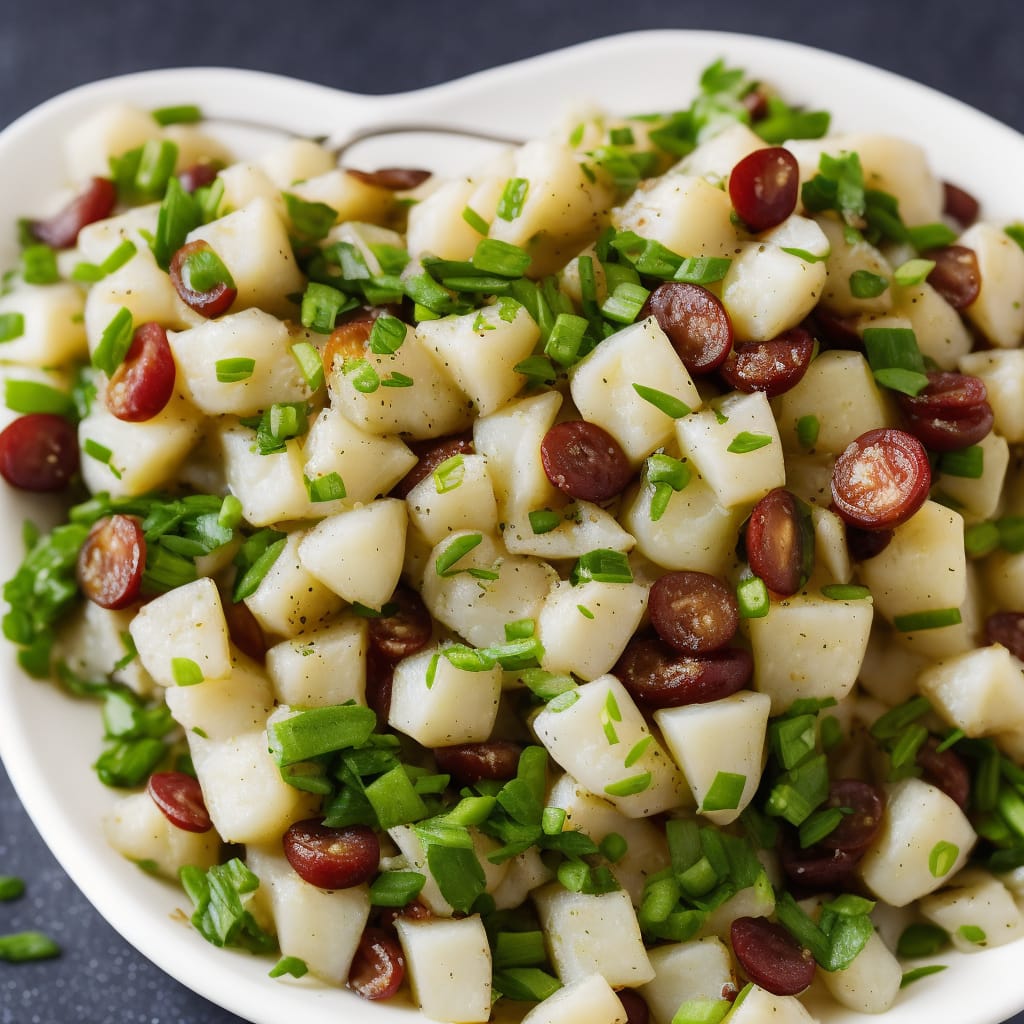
[{"x": 970, "y": 50}]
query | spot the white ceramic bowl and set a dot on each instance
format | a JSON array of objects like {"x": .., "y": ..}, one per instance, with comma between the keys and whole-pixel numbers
[{"x": 49, "y": 741}]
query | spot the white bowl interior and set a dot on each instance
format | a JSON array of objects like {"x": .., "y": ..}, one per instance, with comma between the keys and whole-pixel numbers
[{"x": 49, "y": 741}]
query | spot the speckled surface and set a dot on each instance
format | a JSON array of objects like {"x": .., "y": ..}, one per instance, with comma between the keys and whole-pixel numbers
[{"x": 969, "y": 50}]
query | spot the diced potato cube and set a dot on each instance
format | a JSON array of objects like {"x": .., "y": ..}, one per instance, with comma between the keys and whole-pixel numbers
[
  {"x": 1002, "y": 372},
  {"x": 322, "y": 668},
  {"x": 318, "y": 926},
  {"x": 593, "y": 933},
  {"x": 464, "y": 500},
  {"x": 52, "y": 329},
  {"x": 480, "y": 351},
  {"x": 244, "y": 182},
  {"x": 220, "y": 709},
  {"x": 251, "y": 334},
  {"x": 140, "y": 831},
  {"x": 845, "y": 260},
  {"x": 701, "y": 969},
  {"x": 110, "y": 131},
  {"x": 588, "y": 1000},
  {"x": 722, "y": 736},
  {"x": 253, "y": 244},
  {"x": 526, "y": 871},
  {"x": 358, "y": 553},
  {"x": 187, "y": 622},
  {"x": 94, "y": 639},
  {"x": 296, "y": 161},
  {"x": 997, "y": 311},
  {"x": 585, "y": 629},
  {"x": 96, "y": 241},
  {"x": 449, "y": 966},
  {"x": 456, "y": 706},
  {"x": 584, "y": 527},
  {"x": 754, "y": 465},
  {"x": 981, "y": 692},
  {"x": 757, "y": 900},
  {"x": 290, "y": 600},
  {"x": 830, "y": 545},
  {"x": 436, "y": 225},
  {"x": 925, "y": 840},
  {"x": 980, "y": 496},
  {"x": 715, "y": 158},
  {"x": 977, "y": 910},
  {"x": 351, "y": 198},
  {"x": 603, "y": 389},
  {"x": 809, "y": 646},
  {"x": 592, "y": 738},
  {"x": 271, "y": 487},
  {"x": 758, "y": 1006},
  {"x": 941, "y": 334},
  {"x": 871, "y": 983}
]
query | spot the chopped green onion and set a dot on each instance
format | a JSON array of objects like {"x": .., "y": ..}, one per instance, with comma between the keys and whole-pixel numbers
[
  {"x": 745, "y": 442},
  {"x": 329, "y": 487},
  {"x": 183, "y": 113},
  {"x": 205, "y": 270},
  {"x": 387, "y": 335},
  {"x": 931, "y": 236},
  {"x": 538, "y": 370},
  {"x": 321, "y": 305},
  {"x": 966, "y": 462},
  {"x": 585, "y": 611},
  {"x": 613, "y": 847},
  {"x": 920, "y": 972},
  {"x": 449, "y": 474},
  {"x": 544, "y": 520},
  {"x": 602, "y": 565},
  {"x": 980, "y": 539},
  {"x": 90, "y": 273},
  {"x": 937, "y": 619},
  {"x": 629, "y": 786},
  {"x": 913, "y": 272},
  {"x": 637, "y": 751},
  {"x": 753, "y": 598},
  {"x": 101, "y": 453},
  {"x": 972, "y": 933},
  {"x": 623, "y": 305},
  {"x": 566, "y": 338},
  {"x": 185, "y": 672},
  {"x": 254, "y": 572},
  {"x": 11, "y": 888},
  {"x": 28, "y": 396},
  {"x": 21, "y": 947},
  {"x": 921, "y": 939},
  {"x": 290, "y": 965},
  {"x": 889, "y": 725},
  {"x": 501, "y": 258},
  {"x": 662, "y": 401},
  {"x": 156, "y": 165},
  {"x": 804, "y": 254},
  {"x": 114, "y": 342},
  {"x": 725, "y": 792},
  {"x": 942, "y": 857},
  {"x": 317, "y": 731},
  {"x": 39, "y": 265},
  {"x": 312, "y": 221},
  {"x": 702, "y": 1011},
  {"x": 893, "y": 347},
  {"x": 865, "y": 285},
  {"x": 219, "y": 896},
  {"x": 230, "y": 371},
  {"x": 954, "y": 737},
  {"x": 513, "y": 196},
  {"x": 793, "y": 739},
  {"x": 310, "y": 364},
  {"x": 800, "y": 791},
  {"x": 475, "y": 221},
  {"x": 807, "y": 430},
  {"x": 456, "y": 550},
  {"x": 12, "y": 326},
  {"x": 552, "y": 820},
  {"x": 529, "y": 984},
  {"x": 907, "y": 382},
  {"x": 845, "y": 592},
  {"x": 818, "y": 825},
  {"x": 179, "y": 213},
  {"x": 1016, "y": 232}
]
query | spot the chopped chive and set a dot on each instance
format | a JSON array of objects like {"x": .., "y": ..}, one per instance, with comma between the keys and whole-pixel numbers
[
  {"x": 907, "y": 382},
  {"x": 290, "y": 965},
  {"x": 831, "y": 733},
  {"x": 702, "y": 269},
  {"x": 544, "y": 520},
  {"x": 101, "y": 453},
  {"x": 179, "y": 213},
  {"x": 89, "y": 273},
  {"x": 613, "y": 846},
  {"x": 954, "y": 737},
  {"x": 912, "y": 272},
  {"x": 666, "y": 403},
  {"x": 893, "y": 348},
  {"x": 602, "y": 565},
  {"x": 725, "y": 792},
  {"x": 230, "y": 513},
  {"x": 317, "y": 731},
  {"x": 752, "y": 598},
  {"x": 455, "y": 551},
  {"x": 937, "y": 619},
  {"x": 20, "y": 947},
  {"x": 623, "y": 305},
  {"x": 931, "y": 236},
  {"x": 156, "y": 165},
  {"x": 663, "y": 469},
  {"x": 538, "y": 370},
  {"x": 920, "y": 972},
  {"x": 622, "y": 136},
  {"x": 185, "y": 672},
  {"x": 702, "y": 1011},
  {"x": 11, "y": 888},
  {"x": 921, "y": 939},
  {"x": 566, "y": 338},
  {"x": 745, "y": 442},
  {"x": 818, "y": 825},
  {"x": 329, "y": 487},
  {"x": 1016, "y": 232},
  {"x": 585, "y": 611},
  {"x": 363, "y": 376},
  {"x": 249, "y": 580},
  {"x": 12, "y": 326},
  {"x": 182, "y": 113},
  {"x": 396, "y": 380},
  {"x": 387, "y": 335},
  {"x": 475, "y": 221},
  {"x": 27, "y": 396},
  {"x": 563, "y": 701},
  {"x": 807, "y": 430},
  {"x": 114, "y": 342},
  {"x": 501, "y": 258},
  {"x": 865, "y": 285},
  {"x": 529, "y": 984},
  {"x": 942, "y": 857},
  {"x": 205, "y": 270},
  {"x": 312, "y": 221},
  {"x": 981, "y": 539},
  {"x": 845, "y": 592},
  {"x": 519, "y": 949},
  {"x": 804, "y": 254},
  {"x": 230, "y": 371},
  {"x": 311, "y": 366},
  {"x": 966, "y": 462},
  {"x": 449, "y": 474},
  {"x": 637, "y": 751},
  {"x": 972, "y": 933},
  {"x": 552, "y": 820},
  {"x": 630, "y": 785},
  {"x": 889, "y": 725},
  {"x": 513, "y": 196},
  {"x": 321, "y": 305}
]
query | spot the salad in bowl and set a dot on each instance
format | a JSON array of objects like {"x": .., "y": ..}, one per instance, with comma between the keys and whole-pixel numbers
[{"x": 583, "y": 587}]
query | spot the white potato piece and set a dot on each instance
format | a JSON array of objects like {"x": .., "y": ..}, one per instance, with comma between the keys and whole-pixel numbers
[
  {"x": 766, "y": 290},
  {"x": 925, "y": 840},
  {"x": 449, "y": 967},
  {"x": 251, "y": 334},
  {"x": 757, "y": 900},
  {"x": 941, "y": 334},
  {"x": 253, "y": 244},
  {"x": 591, "y": 737},
  {"x": 245, "y": 182},
  {"x": 602, "y": 387},
  {"x": 478, "y": 609},
  {"x": 593, "y": 933},
  {"x": 93, "y": 640},
  {"x": 694, "y": 532},
  {"x": 318, "y": 926},
  {"x": 846, "y": 259},
  {"x": 977, "y": 910},
  {"x": 271, "y": 487},
  {"x": 757, "y": 1006},
  {"x": 294, "y": 161},
  {"x": 1002, "y": 372},
  {"x": 701, "y": 969},
  {"x": 809, "y": 646},
  {"x": 588, "y": 1000},
  {"x": 290, "y": 600},
  {"x": 140, "y": 831},
  {"x": 480, "y": 350},
  {"x": 323, "y": 668},
  {"x": 997, "y": 311},
  {"x": 742, "y": 476},
  {"x": 889, "y": 671},
  {"x": 187, "y": 622},
  {"x": 981, "y": 692},
  {"x": 110, "y": 131},
  {"x": 1003, "y": 575},
  {"x": 584, "y": 629},
  {"x": 715, "y": 158},
  {"x": 683, "y": 212},
  {"x": 358, "y": 553},
  {"x": 456, "y": 706},
  {"x": 721, "y": 736},
  {"x": 96, "y": 241},
  {"x": 369, "y": 465},
  {"x": 830, "y": 545},
  {"x": 50, "y": 331},
  {"x": 220, "y": 709},
  {"x": 350, "y": 198},
  {"x": 839, "y": 390},
  {"x": 461, "y": 500},
  {"x": 871, "y": 983},
  {"x": 923, "y": 568},
  {"x": 584, "y": 527},
  {"x": 436, "y": 225}
]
